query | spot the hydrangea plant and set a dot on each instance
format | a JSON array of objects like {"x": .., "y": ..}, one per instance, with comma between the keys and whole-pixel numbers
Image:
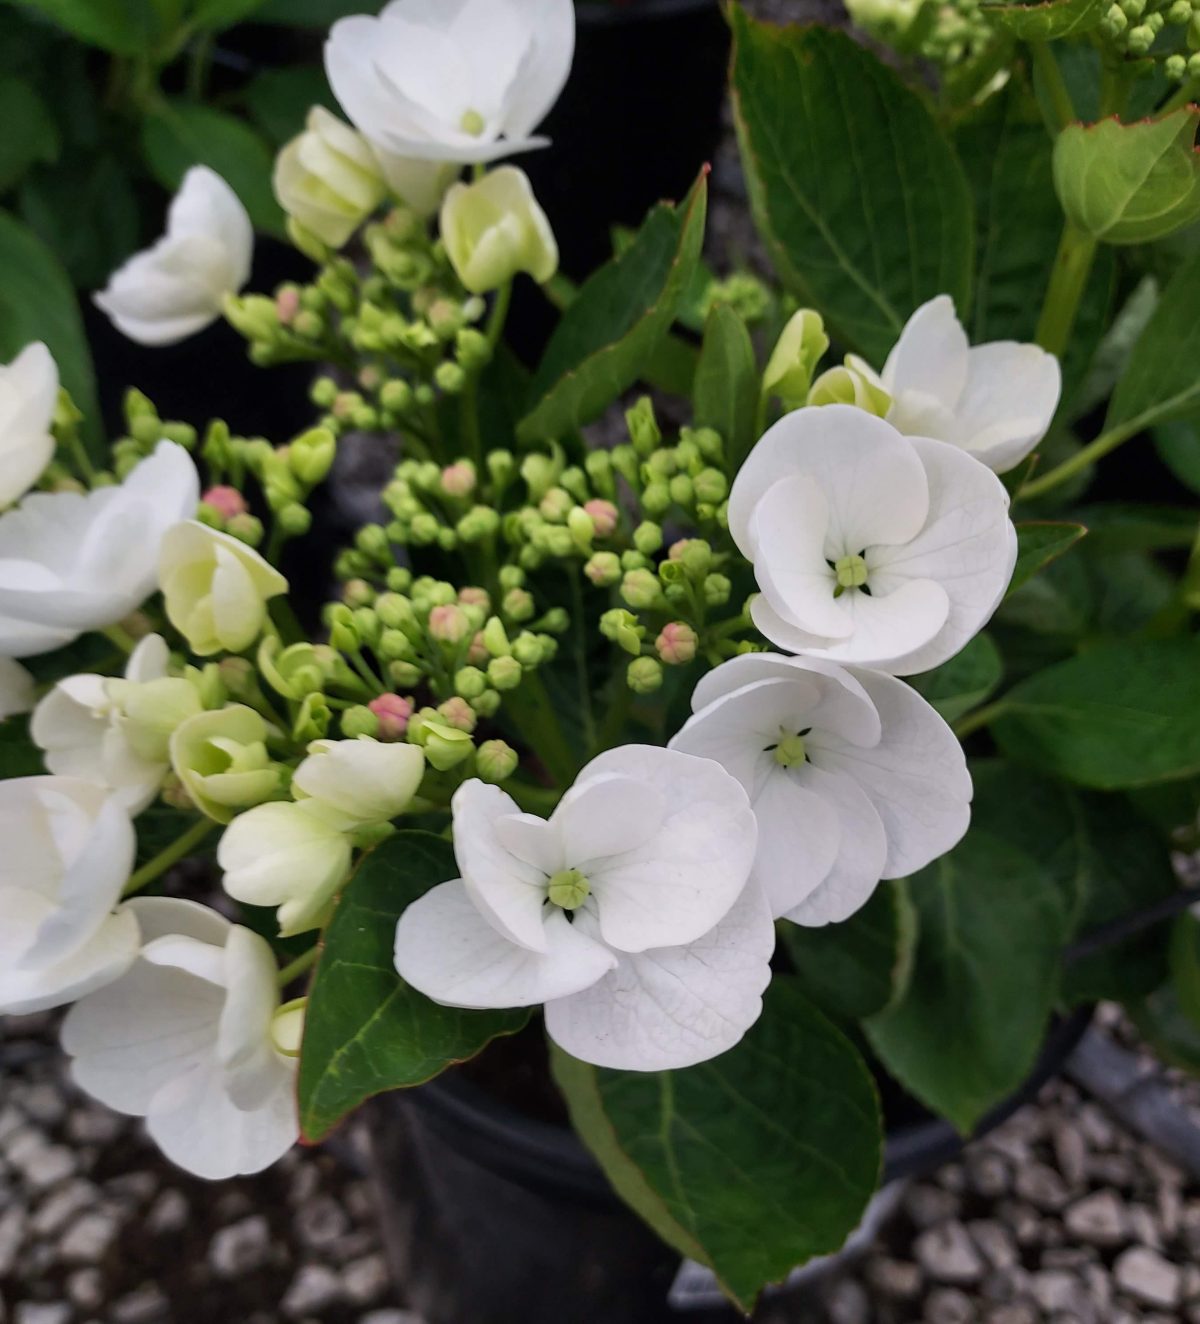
[{"x": 832, "y": 719}]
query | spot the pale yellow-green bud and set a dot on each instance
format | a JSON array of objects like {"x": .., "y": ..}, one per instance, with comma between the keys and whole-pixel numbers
[
  {"x": 494, "y": 228},
  {"x": 327, "y": 178},
  {"x": 495, "y": 761},
  {"x": 789, "y": 370},
  {"x": 221, "y": 758},
  {"x": 850, "y": 385}
]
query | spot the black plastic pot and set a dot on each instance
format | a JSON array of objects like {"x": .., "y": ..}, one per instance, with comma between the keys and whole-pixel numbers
[{"x": 497, "y": 1218}]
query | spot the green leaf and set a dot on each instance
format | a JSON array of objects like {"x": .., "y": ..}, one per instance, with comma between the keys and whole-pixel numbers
[
  {"x": 1049, "y": 21},
  {"x": 1039, "y": 543},
  {"x": 1128, "y": 526},
  {"x": 314, "y": 13},
  {"x": 1171, "y": 1034},
  {"x": 725, "y": 391},
  {"x": 857, "y": 968},
  {"x": 990, "y": 924},
  {"x": 1178, "y": 446},
  {"x": 862, "y": 203},
  {"x": 599, "y": 347},
  {"x": 31, "y": 135},
  {"x": 964, "y": 682},
  {"x": 1160, "y": 381},
  {"x": 751, "y": 1163},
  {"x": 1129, "y": 183},
  {"x": 38, "y": 303},
  {"x": 1120, "y": 715},
  {"x": 278, "y": 100},
  {"x": 366, "y": 1031},
  {"x": 214, "y": 15},
  {"x": 125, "y": 27},
  {"x": 183, "y": 134},
  {"x": 19, "y": 756}
]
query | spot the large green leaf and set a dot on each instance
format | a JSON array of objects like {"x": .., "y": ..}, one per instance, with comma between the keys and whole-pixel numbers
[
  {"x": 857, "y": 968},
  {"x": 126, "y": 27},
  {"x": 1160, "y": 381},
  {"x": 217, "y": 14},
  {"x": 1178, "y": 446},
  {"x": 862, "y": 203},
  {"x": 183, "y": 134},
  {"x": 1050, "y": 20},
  {"x": 1121, "y": 715},
  {"x": 611, "y": 327},
  {"x": 963, "y": 683},
  {"x": 989, "y": 930},
  {"x": 278, "y": 100},
  {"x": 365, "y": 1030},
  {"x": 31, "y": 134},
  {"x": 1039, "y": 543},
  {"x": 19, "y": 756},
  {"x": 725, "y": 389},
  {"x": 751, "y": 1163},
  {"x": 38, "y": 303}
]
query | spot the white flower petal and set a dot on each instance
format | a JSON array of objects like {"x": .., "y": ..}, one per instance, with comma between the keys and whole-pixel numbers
[
  {"x": 670, "y": 1008},
  {"x": 446, "y": 949},
  {"x": 104, "y": 957},
  {"x": 586, "y": 815},
  {"x": 1011, "y": 394},
  {"x": 799, "y": 839},
  {"x": 361, "y": 781},
  {"x": 931, "y": 355},
  {"x": 28, "y": 396}
]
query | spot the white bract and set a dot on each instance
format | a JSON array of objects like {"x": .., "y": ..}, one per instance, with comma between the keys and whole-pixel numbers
[
  {"x": 68, "y": 851},
  {"x": 327, "y": 178},
  {"x": 176, "y": 288},
  {"x": 71, "y": 562},
  {"x": 186, "y": 1039},
  {"x": 18, "y": 691},
  {"x": 870, "y": 547},
  {"x": 996, "y": 401},
  {"x": 28, "y": 395},
  {"x": 434, "y": 84},
  {"x": 215, "y": 587},
  {"x": 115, "y": 732},
  {"x": 495, "y": 228},
  {"x": 295, "y": 855},
  {"x": 626, "y": 913},
  {"x": 853, "y": 777}
]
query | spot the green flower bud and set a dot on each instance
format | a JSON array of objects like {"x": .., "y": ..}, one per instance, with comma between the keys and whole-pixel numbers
[
  {"x": 367, "y": 625},
  {"x": 641, "y": 589},
  {"x": 789, "y": 370},
  {"x": 445, "y": 745},
  {"x": 396, "y": 396},
  {"x": 644, "y": 675},
  {"x": 311, "y": 455},
  {"x": 245, "y": 528},
  {"x": 555, "y": 621},
  {"x": 294, "y": 672},
  {"x": 253, "y": 316},
  {"x": 850, "y": 385},
  {"x": 395, "y": 645},
  {"x": 656, "y": 498},
  {"x": 294, "y": 519},
  {"x": 529, "y": 649},
  {"x": 540, "y": 473},
  {"x": 625, "y": 461},
  {"x": 359, "y": 721},
  {"x": 473, "y": 349},
  {"x": 623, "y": 629},
  {"x": 504, "y": 673},
  {"x": 501, "y": 466},
  {"x": 450, "y": 377},
  {"x": 221, "y": 759},
  {"x": 643, "y": 427},
  {"x": 458, "y": 713},
  {"x": 495, "y": 639},
  {"x": 518, "y": 605},
  {"x": 478, "y": 523},
  {"x": 404, "y": 675},
  {"x": 599, "y": 470},
  {"x": 495, "y": 761},
  {"x": 603, "y": 569},
  {"x": 711, "y": 486},
  {"x": 486, "y": 704},
  {"x": 716, "y": 590},
  {"x": 682, "y": 492},
  {"x": 313, "y": 719},
  {"x": 511, "y": 576},
  {"x": 555, "y": 505},
  {"x": 470, "y": 682}
]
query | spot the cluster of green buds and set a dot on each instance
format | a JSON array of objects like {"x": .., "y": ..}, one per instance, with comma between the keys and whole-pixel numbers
[
  {"x": 751, "y": 298},
  {"x": 948, "y": 33},
  {"x": 144, "y": 429},
  {"x": 1135, "y": 27}
]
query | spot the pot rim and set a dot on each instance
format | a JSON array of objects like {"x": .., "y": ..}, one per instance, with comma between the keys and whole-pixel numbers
[{"x": 550, "y": 1159}]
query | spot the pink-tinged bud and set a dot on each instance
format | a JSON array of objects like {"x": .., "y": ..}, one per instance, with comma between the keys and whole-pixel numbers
[
  {"x": 370, "y": 378},
  {"x": 449, "y": 624},
  {"x": 458, "y": 713},
  {"x": 344, "y": 404},
  {"x": 477, "y": 654},
  {"x": 475, "y": 597},
  {"x": 458, "y": 480},
  {"x": 677, "y": 549},
  {"x": 226, "y": 501},
  {"x": 676, "y": 643},
  {"x": 393, "y": 712},
  {"x": 604, "y": 516},
  {"x": 287, "y": 305}
]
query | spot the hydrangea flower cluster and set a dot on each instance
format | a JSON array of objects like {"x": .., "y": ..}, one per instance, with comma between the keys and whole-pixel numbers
[{"x": 622, "y": 871}]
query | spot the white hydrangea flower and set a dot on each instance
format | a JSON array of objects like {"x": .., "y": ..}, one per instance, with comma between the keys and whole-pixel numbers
[
  {"x": 28, "y": 396},
  {"x": 115, "y": 732},
  {"x": 17, "y": 689},
  {"x": 433, "y": 84},
  {"x": 996, "y": 401},
  {"x": 296, "y": 855},
  {"x": 71, "y": 562},
  {"x": 68, "y": 851},
  {"x": 853, "y": 777},
  {"x": 186, "y": 1038},
  {"x": 176, "y": 288},
  {"x": 626, "y": 913},
  {"x": 870, "y": 547}
]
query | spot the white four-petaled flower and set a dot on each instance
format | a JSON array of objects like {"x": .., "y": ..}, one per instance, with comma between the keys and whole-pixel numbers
[
  {"x": 68, "y": 850},
  {"x": 28, "y": 395},
  {"x": 71, "y": 562},
  {"x": 176, "y": 288},
  {"x": 996, "y": 401},
  {"x": 870, "y": 547},
  {"x": 853, "y": 777},
  {"x": 626, "y": 913},
  {"x": 435, "y": 84},
  {"x": 189, "y": 1038}
]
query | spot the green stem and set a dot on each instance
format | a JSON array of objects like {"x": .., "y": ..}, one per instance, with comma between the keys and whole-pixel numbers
[
  {"x": 533, "y": 715},
  {"x": 305, "y": 961},
  {"x": 1060, "y": 99},
  {"x": 581, "y": 676},
  {"x": 1072, "y": 266},
  {"x": 183, "y": 845},
  {"x": 617, "y": 715},
  {"x": 122, "y": 638},
  {"x": 472, "y": 435},
  {"x": 197, "y": 70},
  {"x": 1089, "y": 454},
  {"x": 1184, "y": 95},
  {"x": 499, "y": 313},
  {"x": 981, "y": 717}
]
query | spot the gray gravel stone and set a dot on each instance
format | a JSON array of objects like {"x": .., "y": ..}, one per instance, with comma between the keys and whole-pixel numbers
[
  {"x": 86, "y": 1288},
  {"x": 43, "y": 1312},
  {"x": 1148, "y": 1277},
  {"x": 947, "y": 1305},
  {"x": 12, "y": 1233},
  {"x": 315, "y": 1288},
  {"x": 88, "y": 1239},
  {"x": 240, "y": 1248},
  {"x": 321, "y": 1222},
  {"x": 168, "y": 1214},
  {"x": 144, "y": 1306},
  {"x": 1041, "y": 1186},
  {"x": 947, "y": 1255},
  {"x": 364, "y": 1281},
  {"x": 897, "y": 1279},
  {"x": 997, "y": 1243},
  {"x": 61, "y": 1205},
  {"x": 1098, "y": 1219}
]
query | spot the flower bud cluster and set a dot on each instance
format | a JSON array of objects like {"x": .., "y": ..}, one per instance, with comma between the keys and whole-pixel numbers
[
  {"x": 1134, "y": 27},
  {"x": 956, "y": 36}
]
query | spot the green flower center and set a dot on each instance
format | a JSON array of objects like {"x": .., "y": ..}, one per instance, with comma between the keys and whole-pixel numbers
[
  {"x": 569, "y": 889},
  {"x": 473, "y": 123},
  {"x": 851, "y": 572},
  {"x": 789, "y": 753}
]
